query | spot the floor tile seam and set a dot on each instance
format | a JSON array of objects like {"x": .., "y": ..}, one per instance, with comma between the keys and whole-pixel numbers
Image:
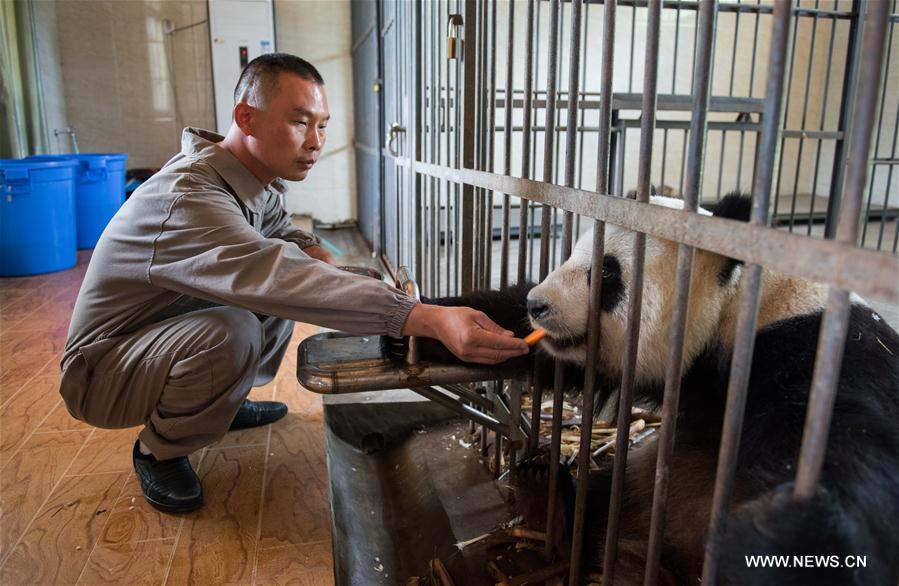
[{"x": 43, "y": 504}]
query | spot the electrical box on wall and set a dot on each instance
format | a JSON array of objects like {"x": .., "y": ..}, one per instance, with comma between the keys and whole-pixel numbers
[{"x": 240, "y": 31}]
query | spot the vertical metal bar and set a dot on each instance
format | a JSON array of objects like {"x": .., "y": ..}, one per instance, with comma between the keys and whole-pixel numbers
[
  {"x": 673, "y": 371},
  {"x": 787, "y": 98},
  {"x": 507, "y": 147},
  {"x": 558, "y": 391},
  {"x": 882, "y": 108},
  {"x": 445, "y": 186},
  {"x": 526, "y": 139},
  {"x": 634, "y": 287},
  {"x": 416, "y": 110},
  {"x": 515, "y": 389},
  {"x": 603, "y": 164},
  {"x": 478, "y": 138},
  {"x": 434, "y": 28},
  {"x": 747, "y": 316},
  {"x": 839, "y": 156},
  {"x": 468, "y": 150},
  {"x": 808, "y": 84},
  {"x": 549, "y": 132},
  {"x": 491, "y": 148},
  {"x": 832, "y": 339}
]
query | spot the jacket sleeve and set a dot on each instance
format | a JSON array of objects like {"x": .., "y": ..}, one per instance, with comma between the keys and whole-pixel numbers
[
  {"x": 276, "y": 224},
  {"x": 207, "y": 249}
]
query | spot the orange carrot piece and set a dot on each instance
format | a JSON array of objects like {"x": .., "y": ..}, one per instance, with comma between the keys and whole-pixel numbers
[{"x": 535, "y": 336}]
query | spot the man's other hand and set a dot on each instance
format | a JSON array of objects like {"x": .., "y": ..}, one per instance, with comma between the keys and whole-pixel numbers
[
  {"x": 466, "y": 332},
  {"x": 320, "y": 253}
]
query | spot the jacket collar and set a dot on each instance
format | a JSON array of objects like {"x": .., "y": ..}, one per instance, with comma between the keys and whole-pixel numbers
[{"x": 199, "y": 143}]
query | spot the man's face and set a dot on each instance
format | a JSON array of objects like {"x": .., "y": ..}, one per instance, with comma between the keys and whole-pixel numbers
[{"x": 289, "y": 134}]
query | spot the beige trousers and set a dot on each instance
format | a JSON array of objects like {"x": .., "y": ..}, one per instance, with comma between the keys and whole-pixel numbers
[{"x": 183, "y": 377}]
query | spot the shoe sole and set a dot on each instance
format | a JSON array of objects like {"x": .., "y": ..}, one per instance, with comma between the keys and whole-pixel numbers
[{"x": 167, "y": 508}]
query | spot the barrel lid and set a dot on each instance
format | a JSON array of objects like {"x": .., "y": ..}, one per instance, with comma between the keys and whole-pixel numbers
[
  {"x": 81, "y": 156},
  {"x": 37, "y": 163}
]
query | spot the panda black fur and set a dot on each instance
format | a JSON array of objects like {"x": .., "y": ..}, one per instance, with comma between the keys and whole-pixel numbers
[{"x": 856, "y": 508}]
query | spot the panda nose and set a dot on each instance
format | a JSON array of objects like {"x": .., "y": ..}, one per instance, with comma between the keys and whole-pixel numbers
[{"x": 537, "y": 308}]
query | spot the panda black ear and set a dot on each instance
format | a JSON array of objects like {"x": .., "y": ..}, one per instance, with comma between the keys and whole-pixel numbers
[{"x": 735, "y": 205}]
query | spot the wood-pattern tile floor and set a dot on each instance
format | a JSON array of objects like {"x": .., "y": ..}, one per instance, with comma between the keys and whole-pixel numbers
[{"x": 71, "y": 510}]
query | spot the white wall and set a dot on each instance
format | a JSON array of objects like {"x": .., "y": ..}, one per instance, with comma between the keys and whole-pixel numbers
[{"x": 319, "y": 31}]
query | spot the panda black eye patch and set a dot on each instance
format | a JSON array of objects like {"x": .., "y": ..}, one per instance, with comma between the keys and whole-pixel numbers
[
  {"x": 610, "y": 268},
  {"x": 612, "y": 285}
]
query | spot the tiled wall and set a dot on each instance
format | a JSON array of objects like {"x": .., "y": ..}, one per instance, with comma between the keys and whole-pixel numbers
[
  {"x": 128, "y": 87},
  {"x": 125, "y": 86},
  {"x": 319, "y": 31}
]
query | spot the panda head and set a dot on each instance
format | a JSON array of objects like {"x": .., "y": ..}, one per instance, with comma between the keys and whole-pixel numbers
[{"x": 560, "y": 304}]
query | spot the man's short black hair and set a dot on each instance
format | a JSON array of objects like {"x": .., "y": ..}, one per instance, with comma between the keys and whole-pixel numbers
[{"x": 260, "y": 77}]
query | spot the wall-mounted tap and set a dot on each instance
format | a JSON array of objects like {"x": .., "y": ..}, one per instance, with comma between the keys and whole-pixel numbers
[{"x": 71, "y": 132}]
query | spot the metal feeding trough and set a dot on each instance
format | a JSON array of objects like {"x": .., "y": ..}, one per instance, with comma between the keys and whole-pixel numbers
[{"x": 405, "y": 487}]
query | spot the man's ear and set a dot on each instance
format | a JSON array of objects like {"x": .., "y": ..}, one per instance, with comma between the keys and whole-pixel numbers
[{"x": 243, "y": 117}]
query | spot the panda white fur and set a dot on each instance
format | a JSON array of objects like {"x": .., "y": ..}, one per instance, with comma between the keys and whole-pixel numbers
[{"x": 856, "y": 508}]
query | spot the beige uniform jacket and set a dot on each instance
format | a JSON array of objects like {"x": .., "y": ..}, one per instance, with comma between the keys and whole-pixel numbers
[{"x": 205, "y": 227}]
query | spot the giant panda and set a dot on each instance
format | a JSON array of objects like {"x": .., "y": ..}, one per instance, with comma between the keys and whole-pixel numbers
[{"x": 856, "y": 508}]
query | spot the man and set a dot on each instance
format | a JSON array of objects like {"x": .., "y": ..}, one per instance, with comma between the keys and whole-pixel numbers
[{"x": 189, "y": 297}]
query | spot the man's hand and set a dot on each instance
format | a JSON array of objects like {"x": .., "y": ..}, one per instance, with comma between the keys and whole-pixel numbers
[
  {"x": 466, "y": 332},
  {"x": 320, "y": 253}
]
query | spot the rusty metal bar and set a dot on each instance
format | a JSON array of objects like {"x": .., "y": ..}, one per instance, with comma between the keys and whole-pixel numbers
[
  {"x": 558, "y": 391},
  {"x": 635, "y": 290},
  {"x": 847, "y": 99},
  {"x": 491, "y": 152},
  {"x": 702, "y": 80},
  {"x": 507, "y": 148},
  {"x": 822, "y": 261},
  {"x": 593, "y": 324},
  {"x": 823, "y": 117},
  {"x": 549, "y": 133},
  {"x": 876, "y": 149},
  {"x": 526, "y": 139},
  {"x": 835, "y": 324},
  {"x": 741, "y": 361},
  {"x": 468, "y": 146}
]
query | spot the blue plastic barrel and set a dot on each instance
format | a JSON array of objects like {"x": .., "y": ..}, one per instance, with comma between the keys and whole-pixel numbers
[
  {"x": 99, "y": 191},
  {"x": 37, "y": 216}
]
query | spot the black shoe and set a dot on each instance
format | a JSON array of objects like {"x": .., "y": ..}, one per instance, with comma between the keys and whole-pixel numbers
[
  {"x": 171, "y": 485},
  {"x": 256, "y": 413}
]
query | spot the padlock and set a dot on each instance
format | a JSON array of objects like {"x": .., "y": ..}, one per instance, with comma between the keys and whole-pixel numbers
[{"x": 453, "y": 41}]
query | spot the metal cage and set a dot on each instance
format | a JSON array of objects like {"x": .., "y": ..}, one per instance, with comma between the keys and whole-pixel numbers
[{"x": 508, "y": 128}]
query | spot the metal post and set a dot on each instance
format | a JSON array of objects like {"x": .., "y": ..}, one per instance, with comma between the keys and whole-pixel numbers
[
  {"x": 593, "y": 324},
  {"x": 468, "y": 144},
  {"x": 835, "y": 324},
  {"x": 839, "y": 156},
  {"x": 526, "y": 139},
  {"x": 702, "y": 79},
  {"x": 741, "y": 361},
  {"x": 558, "y": 391}
]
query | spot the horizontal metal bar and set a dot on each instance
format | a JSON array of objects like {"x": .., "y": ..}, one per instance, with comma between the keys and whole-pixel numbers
[
  {"x": 742, "y": 8},
  {"x": 672, "y": 102},
  {"x": 449, "y": 402},
  {"x": 885, "y": 161},
  {"x": 822, "y": 261},
  {"x": 717, "y": 127}
]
